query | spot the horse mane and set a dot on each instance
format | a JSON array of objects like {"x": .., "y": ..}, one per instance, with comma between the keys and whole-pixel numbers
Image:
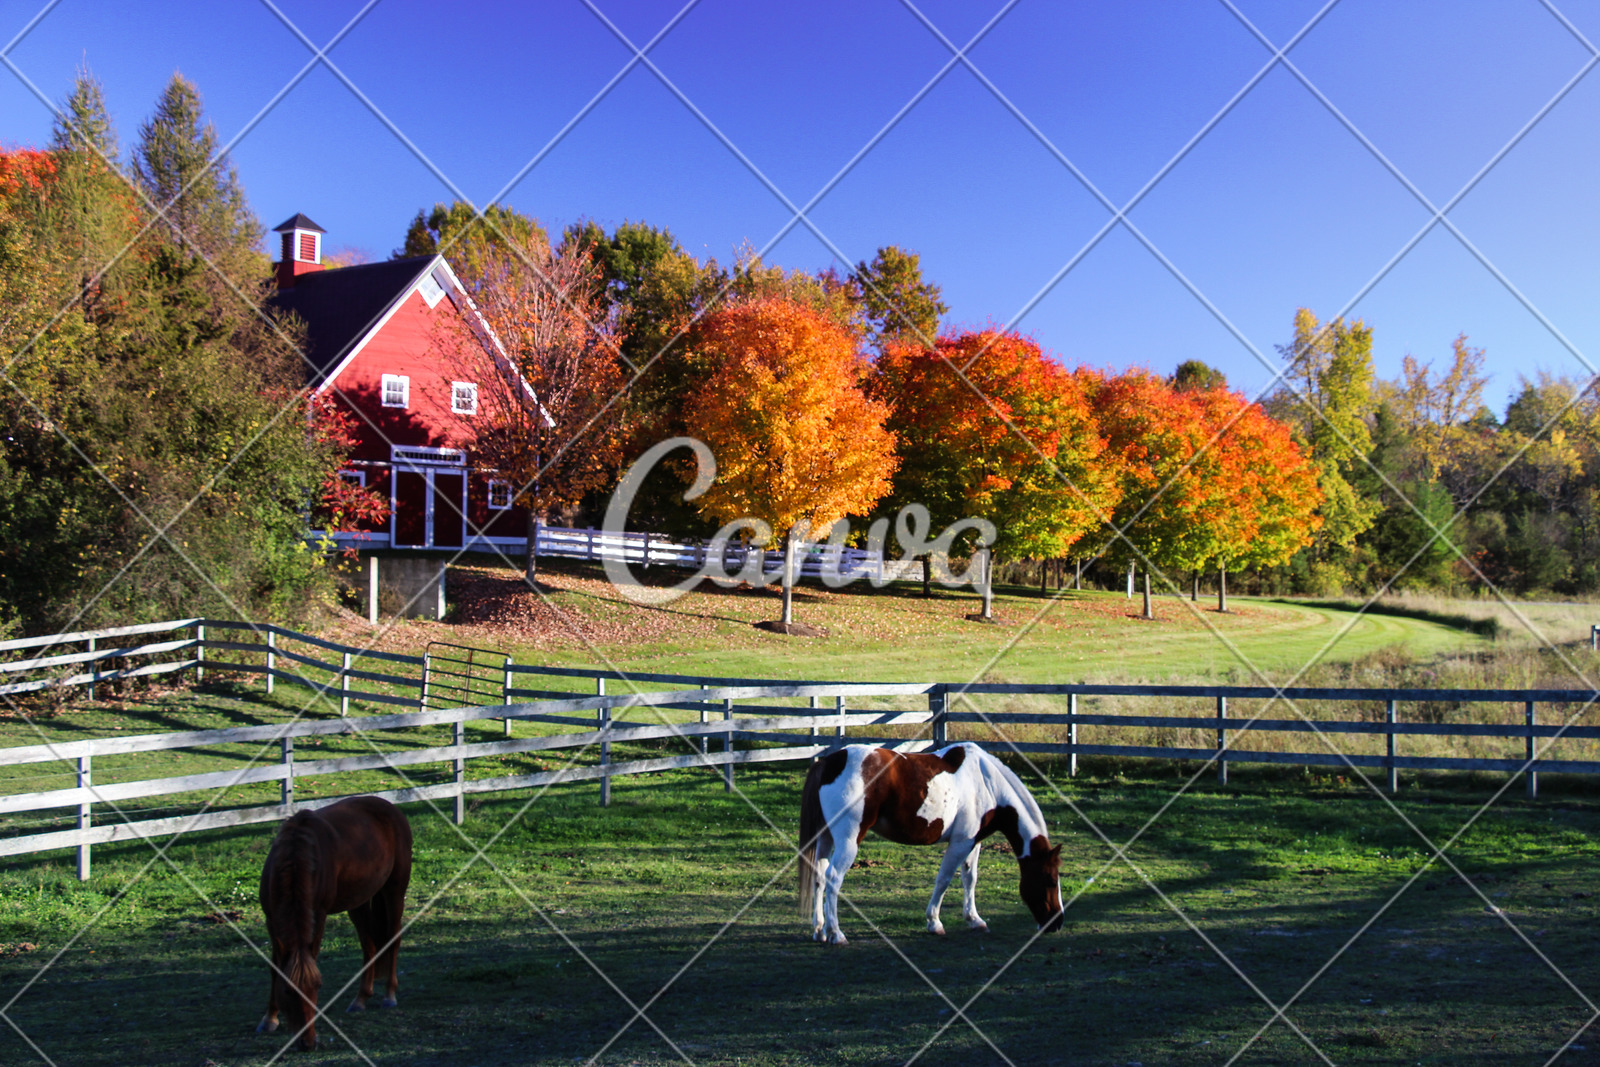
[
  {"x": 291, "y": 918},
  {"x": 1020, "y": 795}
]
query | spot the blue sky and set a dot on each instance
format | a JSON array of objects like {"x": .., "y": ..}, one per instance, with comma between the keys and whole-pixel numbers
[{"x": 1277, "y": 206}]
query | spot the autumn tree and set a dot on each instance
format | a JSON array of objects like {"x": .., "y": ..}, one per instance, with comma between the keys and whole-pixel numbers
[
  {"x": 989, "y": 426},
  {"x": 1270, "y": 496},
  {"x": 1174, "y": 499},
  {"x": 542, "y": 345},
  {"x": 798, "y": 444},
  {"x": 1328, "y": 404}
]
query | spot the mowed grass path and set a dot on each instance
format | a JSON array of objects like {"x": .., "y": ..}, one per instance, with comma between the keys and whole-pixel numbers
[{"x": 678, "y": 897}]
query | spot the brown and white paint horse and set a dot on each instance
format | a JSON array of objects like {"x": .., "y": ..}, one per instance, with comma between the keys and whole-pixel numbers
[
  {"x": 959, "y": 794},
  {"x": 352, "y": 856}
]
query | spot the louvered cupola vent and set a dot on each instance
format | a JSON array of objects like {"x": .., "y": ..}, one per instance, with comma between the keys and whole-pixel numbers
[{"x": 302, "y": 249}]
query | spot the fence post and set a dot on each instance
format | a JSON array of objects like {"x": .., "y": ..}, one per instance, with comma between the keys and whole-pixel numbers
[
  {"x": 727, "y": 747},
  {"x": 505, "y": 694},
  {"x": 816, "y": 705},
  {"x": 85, "y": 779},
  {"x": 1072, "y": 734},
  {"x": 936, "y": 713},
  {"x": 588, "y": 549},
  {"x": 1594, "y": 638},
  {"x": 839, "y": 709},
  {"x": 199, "y": 652},
  {"x": 94, "y": 670},
  {"x": 1391, "y": 716},
  {"x": 344, "y": 687},
  {"x": 272, "y": 657},
  {"x": 422, "y": 697},
  {"x": 1222, "y": 741},
  {"x": 705, "y": 740},
  {"x": 372, "y": 590},
  {"x": 603, "y": 724},
  {"x": 460, "y": 738},
  {"x": 1533, "y": 775},
  {"x": 286, "y": 791}
]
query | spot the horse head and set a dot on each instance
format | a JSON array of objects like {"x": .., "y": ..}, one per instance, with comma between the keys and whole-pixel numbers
[
  {"x": 1041, "y": 884},
  {"x": 299, "y": 981}
]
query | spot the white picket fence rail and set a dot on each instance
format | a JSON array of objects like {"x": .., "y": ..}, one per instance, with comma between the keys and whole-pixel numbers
[
  {"x": 813, "y": 559},
  {"x": 725, "y": 711}
]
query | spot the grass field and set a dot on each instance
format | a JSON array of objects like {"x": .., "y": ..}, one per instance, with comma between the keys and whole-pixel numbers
[
  {"x": 895, "y": 635},
  {"x": 678, "y": 897}
]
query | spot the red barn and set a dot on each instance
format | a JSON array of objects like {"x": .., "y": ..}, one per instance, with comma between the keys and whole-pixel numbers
[{"x": 373, "y": 342}]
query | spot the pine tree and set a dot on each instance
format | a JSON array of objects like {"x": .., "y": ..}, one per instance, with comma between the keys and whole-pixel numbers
[{"x": 199, "y": 194}]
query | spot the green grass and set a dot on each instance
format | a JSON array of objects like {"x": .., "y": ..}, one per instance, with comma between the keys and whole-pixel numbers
[
  {"x": 522, "y": 962},
  {"x": 895, "y": 635},
  {"x": 1276, "y": 872}
]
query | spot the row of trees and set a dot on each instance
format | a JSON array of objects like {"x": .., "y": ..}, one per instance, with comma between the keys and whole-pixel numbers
[
  {"x": 1427, "y": 488},
  {"x": 1339, "y": 481},
  {"x": 830, "y": 396},
  {"x": 154, "y": 455}
]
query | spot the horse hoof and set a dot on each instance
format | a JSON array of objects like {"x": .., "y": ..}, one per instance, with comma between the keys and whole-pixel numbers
[
  {"x": 266, "y": 1026},
  {"x": 356, "y": 1005},
  {"x": 936, "y": 928},
  {"x": 389, "y": 1002},
  {"x": 838, "y": 939},
  {"x": 978, "y": 924}
]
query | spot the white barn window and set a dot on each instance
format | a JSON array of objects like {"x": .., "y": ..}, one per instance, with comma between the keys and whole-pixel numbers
[
  {"x": 499, "y": 495},
  {"x": 396, "y": 391},
  {"x": 464, "y": 398}
]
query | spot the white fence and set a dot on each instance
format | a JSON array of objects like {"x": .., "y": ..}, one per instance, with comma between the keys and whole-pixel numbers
[
  {"x": 587, "y": 725},
  {"x": 638, "y": 548}
]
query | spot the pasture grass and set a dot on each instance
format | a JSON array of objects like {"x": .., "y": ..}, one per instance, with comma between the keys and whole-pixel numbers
[
  {"x": 894, "y": 634},
  {"x": 677, "y": 898}
]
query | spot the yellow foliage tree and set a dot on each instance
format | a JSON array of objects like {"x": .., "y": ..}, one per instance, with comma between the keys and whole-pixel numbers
[{"x": 798, "y": 444}]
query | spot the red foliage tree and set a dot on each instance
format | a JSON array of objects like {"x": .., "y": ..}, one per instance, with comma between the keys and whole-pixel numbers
[{"x": 991, "y": 427}]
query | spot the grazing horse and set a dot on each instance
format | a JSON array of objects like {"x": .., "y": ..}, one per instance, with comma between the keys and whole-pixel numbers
[
  {"x": 351, "y": 856},
  {"x": 959, "y": 794}
]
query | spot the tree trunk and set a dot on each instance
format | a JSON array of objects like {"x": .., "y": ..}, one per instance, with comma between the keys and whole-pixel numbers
[
  {"x": 531, "y": 576},
  {"x": 1148, "y": 613},
  {"x": 988, "y": 583},
  {"x": 1222, "y": 587},
  {"x": 1044, "y": 576},
  {"x": 1130, "y": 581},
  {"x": 1194, "y": 589},
  {"x": 1077, "y": 581},
  {"x": 788, "y": 578}
]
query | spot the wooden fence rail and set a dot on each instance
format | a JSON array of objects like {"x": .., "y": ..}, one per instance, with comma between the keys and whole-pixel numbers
[{"x": 810, "y": 718}]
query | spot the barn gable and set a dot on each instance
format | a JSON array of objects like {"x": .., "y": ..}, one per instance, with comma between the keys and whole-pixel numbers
[{"x": 374, "y": 343}]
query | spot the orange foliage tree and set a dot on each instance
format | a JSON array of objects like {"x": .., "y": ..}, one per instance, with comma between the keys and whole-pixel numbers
[
  {"x": 798, "y": 444},
  {"x": 1174, "y": 500},
  {"x": 1010, "y": 438},
  {"x": 1208, "y": 478},
  {"x": 1272, "y": 487},
  {"x": 541, "y": 343}
]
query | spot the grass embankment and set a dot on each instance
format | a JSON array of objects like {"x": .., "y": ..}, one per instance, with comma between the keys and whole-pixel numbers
[
  {"x": 523, "y": 963},
  {"x": 894, "y": 634}
]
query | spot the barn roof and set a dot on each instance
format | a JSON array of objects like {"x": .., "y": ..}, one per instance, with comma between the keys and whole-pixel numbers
[
  {"x": 340, "y": 307},
  {"x": 298, "y": 222}
]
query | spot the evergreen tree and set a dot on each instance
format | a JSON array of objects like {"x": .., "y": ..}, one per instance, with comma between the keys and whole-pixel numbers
[
  {"x": 897, "y": 304},
  {"x": 198, "y": 194}
]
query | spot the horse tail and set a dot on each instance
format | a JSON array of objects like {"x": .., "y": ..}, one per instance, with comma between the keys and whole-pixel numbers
[{"x": 812, "y": 827}]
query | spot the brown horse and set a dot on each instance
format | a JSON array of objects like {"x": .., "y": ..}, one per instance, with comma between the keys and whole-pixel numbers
[{"x": 351, "y": 856}]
